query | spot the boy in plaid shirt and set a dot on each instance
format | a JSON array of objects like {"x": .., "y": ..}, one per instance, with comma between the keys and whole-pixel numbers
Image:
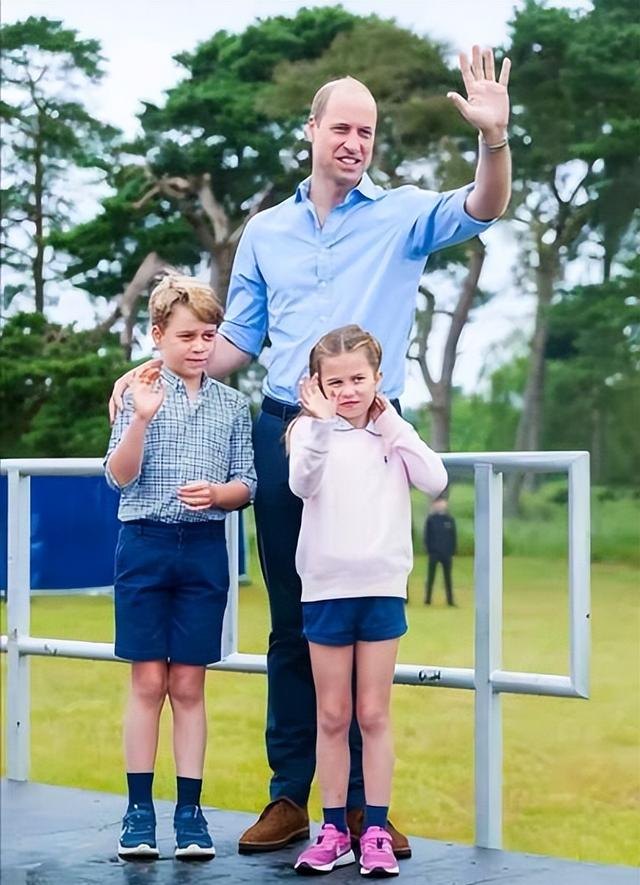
[{"x": 180, "y": 454}]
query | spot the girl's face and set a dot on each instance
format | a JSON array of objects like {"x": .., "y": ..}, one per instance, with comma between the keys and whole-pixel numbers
[
  {"x": 352, "y": 382},
  {"x": 185, "y": 343}
]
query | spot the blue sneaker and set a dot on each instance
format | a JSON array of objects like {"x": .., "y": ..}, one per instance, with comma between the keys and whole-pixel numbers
[
  {"x": 138, "y": 836},
  {"x": 193, "y": 841}
]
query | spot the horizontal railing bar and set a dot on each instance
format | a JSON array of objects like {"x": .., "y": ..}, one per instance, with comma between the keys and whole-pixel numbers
[
  {"x": 512, "y": 462},
  {"x": 438, "y": 677},
  {"x": 405, "y": 674},
  {"x": 549, "y": 685},
  {"x": 507, "y": 462},
  {"x": 53, "y": 466}
]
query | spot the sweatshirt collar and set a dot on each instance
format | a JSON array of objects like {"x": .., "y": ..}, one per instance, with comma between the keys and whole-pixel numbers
[{"x": 342, "y": 425}]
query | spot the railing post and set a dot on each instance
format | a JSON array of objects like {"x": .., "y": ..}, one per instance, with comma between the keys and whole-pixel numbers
[
  {"x": 18, "y": 622},
  {"x": 230, "y": 623},
  {"x": 579, "y": 583},
  {"x": 488, "y": 655}
]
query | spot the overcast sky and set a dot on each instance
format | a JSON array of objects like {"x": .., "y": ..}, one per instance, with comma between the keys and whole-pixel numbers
[{"x": 139, "y": 38}]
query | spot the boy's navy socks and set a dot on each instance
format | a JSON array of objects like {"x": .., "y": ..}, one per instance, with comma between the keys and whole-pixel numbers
[
  {"x": 376, "y": 816},
  {"x": 189, "y": 790},
  {"x": 337, "y": 817},
  {"x": 140, "y": 785}
]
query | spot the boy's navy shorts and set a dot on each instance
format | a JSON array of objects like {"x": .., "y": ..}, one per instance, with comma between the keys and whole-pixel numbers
[
  {"x": 359, "y": 619},
  {"x": 171, "y": 586}
]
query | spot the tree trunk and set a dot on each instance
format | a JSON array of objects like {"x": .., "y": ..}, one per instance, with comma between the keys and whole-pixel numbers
[
  {"x": 441, "y": 391},
  {"x": 529, "y": 430},
  {"x": 597, "y": 440},
  {"x": 38, "y": 220},
  {"x": 440, "y": 409},
  {"x": 221, "y": 264}
]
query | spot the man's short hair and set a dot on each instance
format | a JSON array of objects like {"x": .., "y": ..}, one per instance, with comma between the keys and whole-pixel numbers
[
  {"x": 322, "y": 96},
  {"x": 176, "y": 289}
]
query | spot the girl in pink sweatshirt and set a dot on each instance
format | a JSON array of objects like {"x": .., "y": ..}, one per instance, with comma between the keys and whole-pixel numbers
[{"x": 352, "y": 460}]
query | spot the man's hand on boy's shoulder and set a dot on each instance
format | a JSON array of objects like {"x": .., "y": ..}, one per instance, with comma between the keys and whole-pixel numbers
[{"x": 115, "y": 402}]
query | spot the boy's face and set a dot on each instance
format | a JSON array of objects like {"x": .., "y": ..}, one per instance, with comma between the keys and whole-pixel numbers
[{"x": 186, "y": 342}]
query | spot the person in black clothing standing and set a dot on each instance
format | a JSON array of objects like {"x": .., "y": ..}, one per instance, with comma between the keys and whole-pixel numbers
[{"x": 440, "y": 544}]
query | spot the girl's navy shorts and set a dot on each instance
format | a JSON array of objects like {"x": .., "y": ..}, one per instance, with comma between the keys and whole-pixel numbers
[
  {"x": 171, "y": 586},
  {"x": 358, "y": 619}
]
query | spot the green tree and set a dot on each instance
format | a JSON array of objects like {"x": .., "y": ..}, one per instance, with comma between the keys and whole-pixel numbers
[
  {"x": 575, "y": 90},
  {"x": 592, "y": 399},
  {"x": 209, "y": 158},
  {"x": 47, "y": 132},
  {"x": 54, "y": 386}
]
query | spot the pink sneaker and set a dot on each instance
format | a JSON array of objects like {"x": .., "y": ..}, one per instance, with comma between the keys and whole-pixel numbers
[
  {"x": 376, "y": 854},
  {"x": 331, "y": 849}
]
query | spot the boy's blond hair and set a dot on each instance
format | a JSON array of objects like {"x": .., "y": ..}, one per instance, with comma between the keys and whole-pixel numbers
[{"x": 176, "y": 289}]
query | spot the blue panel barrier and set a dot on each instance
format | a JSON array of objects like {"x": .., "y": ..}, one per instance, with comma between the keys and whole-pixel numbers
[{"x": 74, "y": 528}]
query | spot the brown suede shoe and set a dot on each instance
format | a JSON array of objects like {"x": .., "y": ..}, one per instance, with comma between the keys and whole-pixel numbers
[
  {"x": 399, "y": 842},
  {"x": 281, "y": 822}
]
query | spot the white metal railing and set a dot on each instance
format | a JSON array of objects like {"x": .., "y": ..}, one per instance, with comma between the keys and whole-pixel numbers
[{"x": 487, "y": 678}]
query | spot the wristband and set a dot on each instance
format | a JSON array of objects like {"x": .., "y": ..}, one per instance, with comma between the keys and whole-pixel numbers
[{"x": 492, "y": 148}]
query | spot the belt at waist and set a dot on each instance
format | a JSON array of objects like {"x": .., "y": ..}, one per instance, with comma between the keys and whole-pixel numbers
[
  {"x": 287, "y": 412},
  {"x": 284, "y": 411},
  {"x": 169, "y": 529}
]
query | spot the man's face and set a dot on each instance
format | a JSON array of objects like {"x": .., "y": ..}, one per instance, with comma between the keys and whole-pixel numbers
[{"x": 342, "y": 140}]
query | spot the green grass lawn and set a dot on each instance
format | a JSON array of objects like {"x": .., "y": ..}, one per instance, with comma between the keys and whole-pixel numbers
[{"x": 572, "y": 768}]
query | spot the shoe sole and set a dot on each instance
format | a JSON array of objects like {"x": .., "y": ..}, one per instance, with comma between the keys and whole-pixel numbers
[
  {"x": 379, "y": 872},
  {"x": 138, "y": 851},
  {"x": 195, "y": 852},
  {"x": 257, "y": 847},
  {"x": 306, "y": 869}
]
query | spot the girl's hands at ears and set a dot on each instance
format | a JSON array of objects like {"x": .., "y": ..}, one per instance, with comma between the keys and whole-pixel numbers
[
  {"x": 313, "y": 400},
  {"x": 378, "y": 406}
]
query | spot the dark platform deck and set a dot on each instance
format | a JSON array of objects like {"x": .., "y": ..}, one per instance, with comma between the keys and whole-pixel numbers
[{"x": 60, "y": 836}]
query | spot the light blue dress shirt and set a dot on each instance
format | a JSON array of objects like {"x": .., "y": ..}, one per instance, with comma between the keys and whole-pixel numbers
[{"x": 294, "y": 279}]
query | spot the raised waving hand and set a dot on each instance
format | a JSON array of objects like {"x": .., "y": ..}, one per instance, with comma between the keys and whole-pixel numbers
[{"x": 487, "y": 103}]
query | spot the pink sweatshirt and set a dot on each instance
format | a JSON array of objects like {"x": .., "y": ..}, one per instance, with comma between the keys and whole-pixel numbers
[{"x": 355, "y": 538}]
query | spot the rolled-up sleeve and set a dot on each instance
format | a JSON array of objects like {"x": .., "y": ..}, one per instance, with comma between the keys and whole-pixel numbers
[
  {"x": 241, "y": 450},
  {"x": 445, "y": 222},
  {"x": 123, "y": 419},
  {"x": 245, "y": 322}
]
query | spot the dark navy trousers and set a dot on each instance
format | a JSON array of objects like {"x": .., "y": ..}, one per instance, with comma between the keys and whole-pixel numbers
[{"x": 291, "y": 704}]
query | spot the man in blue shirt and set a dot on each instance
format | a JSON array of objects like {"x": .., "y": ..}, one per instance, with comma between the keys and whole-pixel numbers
[{"x": 340, "y": 250}]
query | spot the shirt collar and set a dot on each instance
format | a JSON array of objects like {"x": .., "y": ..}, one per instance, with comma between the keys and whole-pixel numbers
[
  {"x": 176, "y": 382},
  {"x": 365, "y": 188}
]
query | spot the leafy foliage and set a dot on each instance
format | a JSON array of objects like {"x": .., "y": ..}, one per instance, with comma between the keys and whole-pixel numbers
[
  {"x": 54, "y": 388},
  {"x": 212, "y": 129},
  {"x": 48, "y": 133}
]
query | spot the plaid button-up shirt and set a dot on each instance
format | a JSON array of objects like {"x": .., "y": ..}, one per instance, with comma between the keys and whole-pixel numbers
[{"x": 207, "y": 439}]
